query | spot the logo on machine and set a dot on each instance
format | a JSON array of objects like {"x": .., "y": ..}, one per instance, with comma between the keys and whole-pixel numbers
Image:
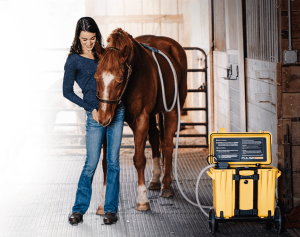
[{"x": 252, "y": 157}]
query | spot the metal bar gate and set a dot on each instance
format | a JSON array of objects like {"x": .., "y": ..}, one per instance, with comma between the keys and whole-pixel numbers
[{"x": 27, "y": 138}]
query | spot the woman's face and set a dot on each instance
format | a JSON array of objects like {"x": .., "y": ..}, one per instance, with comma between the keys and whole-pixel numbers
[{"x": 87, "y": 40}]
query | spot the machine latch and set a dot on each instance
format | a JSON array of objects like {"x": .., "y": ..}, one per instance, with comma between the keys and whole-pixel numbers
[{"x": 238, "y": 177}]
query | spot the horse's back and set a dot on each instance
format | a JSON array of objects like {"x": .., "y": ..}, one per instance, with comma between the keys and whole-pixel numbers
[
  {"x": 176, "y": 51},
  {"x": 166, "y": 45}
]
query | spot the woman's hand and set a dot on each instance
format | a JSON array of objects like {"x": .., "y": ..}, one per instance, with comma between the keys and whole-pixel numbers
[{"x": 95, "y": 115}]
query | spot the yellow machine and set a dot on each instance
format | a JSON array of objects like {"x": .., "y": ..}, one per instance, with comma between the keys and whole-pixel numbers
[{"x": 244, "y": 183}]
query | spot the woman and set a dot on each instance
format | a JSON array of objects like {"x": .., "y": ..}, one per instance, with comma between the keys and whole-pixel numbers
[{"x": 81, "y": 66}]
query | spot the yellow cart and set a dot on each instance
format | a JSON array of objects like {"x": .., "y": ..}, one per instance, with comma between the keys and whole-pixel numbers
[{"x": 244, "y": 183}]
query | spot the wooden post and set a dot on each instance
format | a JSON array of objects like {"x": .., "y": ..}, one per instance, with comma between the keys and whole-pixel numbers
[{"x": 287, "y": 172}]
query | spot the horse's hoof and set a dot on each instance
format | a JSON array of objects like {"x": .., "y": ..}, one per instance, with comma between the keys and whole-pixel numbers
[
  {"x": 154, "y": 186},
  {"x": 143, "y": 206},
  {"x": 100, "y": 211},
  {"x": 167, "y": 193}
]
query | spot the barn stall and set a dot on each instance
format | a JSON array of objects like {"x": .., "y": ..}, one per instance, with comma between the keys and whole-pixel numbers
[{"x": 242, "y": 83}]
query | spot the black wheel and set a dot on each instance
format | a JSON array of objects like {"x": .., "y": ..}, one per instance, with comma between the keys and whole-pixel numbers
[
  {"x": 216, "y": 225},
  {"x": 278, "y": 220},
  {"x": 211, "y": 221}
]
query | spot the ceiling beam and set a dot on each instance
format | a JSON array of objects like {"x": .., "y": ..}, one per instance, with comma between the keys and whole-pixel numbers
[{"x": 139, "y": 19}]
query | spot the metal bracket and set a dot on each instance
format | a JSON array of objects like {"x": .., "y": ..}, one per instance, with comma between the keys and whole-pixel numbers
[{"x": 230, "y": 74}]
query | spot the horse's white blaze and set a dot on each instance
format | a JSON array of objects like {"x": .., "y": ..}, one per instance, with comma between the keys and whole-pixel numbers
[
  {"x": 142, "y": 194},
  {"x": 107, "y": 78},
  {"x": 156, "y": 170},
  {"x": 103, "y": 196}
]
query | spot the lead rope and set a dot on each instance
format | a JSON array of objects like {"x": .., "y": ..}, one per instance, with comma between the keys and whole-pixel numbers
[{"x": 176, "y": 96}]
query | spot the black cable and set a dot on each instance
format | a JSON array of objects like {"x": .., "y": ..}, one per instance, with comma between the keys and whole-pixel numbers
[{"x": 208, "y": 160}]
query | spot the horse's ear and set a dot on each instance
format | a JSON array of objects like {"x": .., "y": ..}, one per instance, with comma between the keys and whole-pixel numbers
[
  {"x": 99, "y": 49},
  {"x": 125, "y": 52}
]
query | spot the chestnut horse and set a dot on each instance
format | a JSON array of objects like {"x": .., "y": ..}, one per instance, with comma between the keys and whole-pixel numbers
[{"x": 126, "y": 69}]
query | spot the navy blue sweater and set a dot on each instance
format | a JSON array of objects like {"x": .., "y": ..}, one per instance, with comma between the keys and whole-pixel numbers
[{"x": 81, "y": 70}]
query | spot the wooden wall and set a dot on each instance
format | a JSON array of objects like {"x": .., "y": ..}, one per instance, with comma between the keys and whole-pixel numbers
[
  {"x": 288, "y": 112},
  {"x": 140, "y": 17},
  {"x": 229, "y": 95}
]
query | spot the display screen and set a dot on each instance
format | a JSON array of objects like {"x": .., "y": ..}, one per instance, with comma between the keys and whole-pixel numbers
[{"x": 240, "y": 149}]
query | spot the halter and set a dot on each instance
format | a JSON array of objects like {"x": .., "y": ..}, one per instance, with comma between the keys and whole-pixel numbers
[{"x": 118, "y": 101}]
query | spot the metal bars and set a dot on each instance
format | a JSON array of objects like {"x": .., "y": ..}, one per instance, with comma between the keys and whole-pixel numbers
[
  {"x": 24, "y": 124},
  {"x": 261, "y": 34}
]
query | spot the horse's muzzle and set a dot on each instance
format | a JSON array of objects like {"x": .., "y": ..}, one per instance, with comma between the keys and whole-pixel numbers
[{"x": 105, "y": 124}]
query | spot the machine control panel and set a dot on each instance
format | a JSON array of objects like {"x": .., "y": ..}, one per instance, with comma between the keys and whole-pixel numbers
[
  {"x": 240, "y": 147},
  {"x": 249, "y": 149}
]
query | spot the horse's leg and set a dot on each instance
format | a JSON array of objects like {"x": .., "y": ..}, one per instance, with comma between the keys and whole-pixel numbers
[
  {"x": 156, "y": 167},
  {"x": 140, "y": 129},
  {"x": 100, "y": 210},
  {"x": 170, "y": 125}
]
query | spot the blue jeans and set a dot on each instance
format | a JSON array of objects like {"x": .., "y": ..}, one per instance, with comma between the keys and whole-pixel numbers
[{"x": 94, "y": 138}]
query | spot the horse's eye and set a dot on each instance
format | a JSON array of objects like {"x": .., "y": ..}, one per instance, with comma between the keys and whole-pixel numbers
[{"x": 119, "y": 83}]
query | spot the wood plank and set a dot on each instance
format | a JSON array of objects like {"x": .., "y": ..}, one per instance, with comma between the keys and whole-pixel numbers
[
  {"x": 169, "y": 7},
  {"x": 291, "y": 105},
  {"x": 279, "y": 102},
  {"x": 135, "y": 29},
  {"x": 295, "y": 5},
  {"x": 296, "y": 158},
  {"x": 101, "y": 7},
  {"x": 151, "y": 7},
  {"x": 280, "y": 161},
  {"x": 278, "y": 74},
  {"x": 219, "y": 26},
  {"x": 221, "y": 60},
  {"x": 287, "y": 172},
  {"x": 296, "y": 189},
  {"x": 89, "y": 8},
  {"x": 257, "y": 89},
  {"x": 133, "y": 7},
  {"x": 291, "y": 79},
  {"x": 139, "y": 19},
  {"x": 281, "y": 132},
  {"x": 295, "y": 19},
  {"x": 261, "y": 119},
  {"x": 169, "y": 30},
  {"x": 279, "y": 91},
  {"x": 295, "y": 44},
  {"x": 296, "y": 133},
  {"x": 112, "y": 10},
  {"x": 285, "y": 34}
]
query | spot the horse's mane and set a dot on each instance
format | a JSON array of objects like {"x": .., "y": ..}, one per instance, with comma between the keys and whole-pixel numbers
[
  {"x": 119, "y": 39},
  {"x": 112, "y": 59}
]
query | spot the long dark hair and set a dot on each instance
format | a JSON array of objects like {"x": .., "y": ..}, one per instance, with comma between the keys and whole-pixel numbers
[{"x": 86, "y": 24}]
